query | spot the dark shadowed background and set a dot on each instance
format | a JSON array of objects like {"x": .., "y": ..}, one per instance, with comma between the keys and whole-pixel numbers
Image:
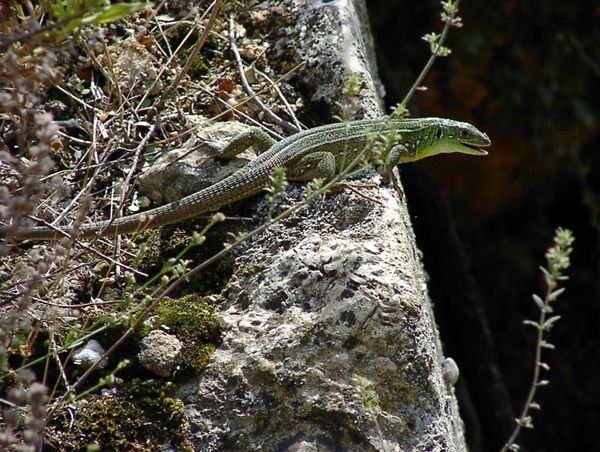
[{"x": 527, "y": 73}]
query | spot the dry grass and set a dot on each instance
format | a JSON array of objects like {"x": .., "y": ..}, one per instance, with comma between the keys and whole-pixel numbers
[{"x": 81, "y": 114}]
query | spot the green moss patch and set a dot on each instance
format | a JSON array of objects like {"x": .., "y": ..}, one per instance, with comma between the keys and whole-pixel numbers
[
  {"x": 192, "y": 320},
  {"x": 140, "y": 417}
]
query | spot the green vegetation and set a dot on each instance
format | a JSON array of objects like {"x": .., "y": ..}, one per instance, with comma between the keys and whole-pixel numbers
[
  {"x": 140, "y": 417},
  {"x": 557, "y": 261},
  {"x": 192, "y": 320},
  {"x": 106, "y": 127}
]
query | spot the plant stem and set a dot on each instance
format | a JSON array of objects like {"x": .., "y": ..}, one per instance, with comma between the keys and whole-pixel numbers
[{"x": 432, "y": 58}]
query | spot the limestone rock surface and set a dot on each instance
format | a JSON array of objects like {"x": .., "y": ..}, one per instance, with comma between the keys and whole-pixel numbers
[
  {"x": 158, "y": 352},
  {"x": 330, "y": 341}
]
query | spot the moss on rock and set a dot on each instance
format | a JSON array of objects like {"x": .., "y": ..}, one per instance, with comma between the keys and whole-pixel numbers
[
  {"x": 192, "y": 320},
  {"x": 139, "y": 417}
]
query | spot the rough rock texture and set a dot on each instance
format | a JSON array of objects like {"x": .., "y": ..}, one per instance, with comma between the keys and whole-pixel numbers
[
  {"x": 158, "y": 352},
  {"x": 330, "y": 341},
  {"x": 89, "y": 354},
  {"x": 341, "y": 299},
  {"x": 333, "y": 38},
  {"x": 181, "y": 172}
]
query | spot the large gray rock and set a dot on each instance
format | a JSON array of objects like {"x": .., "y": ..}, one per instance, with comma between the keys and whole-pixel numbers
[
  {"x": 192, "y": 167},
  {"x": 334, "y": 40},
  {"x": 330, "y": 341}
]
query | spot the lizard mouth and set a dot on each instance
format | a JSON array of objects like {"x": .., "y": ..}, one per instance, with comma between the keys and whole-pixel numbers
[
  {"x": 477, "y": 149},
  {"x": 476, "y": 143}
]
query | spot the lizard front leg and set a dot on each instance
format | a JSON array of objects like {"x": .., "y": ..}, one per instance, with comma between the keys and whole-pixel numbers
[
  {"x": 397, "y": 155},
  {"x": 255, "y": 138}
]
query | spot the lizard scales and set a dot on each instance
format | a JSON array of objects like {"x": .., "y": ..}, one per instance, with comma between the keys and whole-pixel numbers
[{"x": 315, "y": 152}]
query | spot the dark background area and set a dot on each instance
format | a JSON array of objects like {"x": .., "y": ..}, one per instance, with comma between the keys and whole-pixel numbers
[{"x": 527, "y": 73}]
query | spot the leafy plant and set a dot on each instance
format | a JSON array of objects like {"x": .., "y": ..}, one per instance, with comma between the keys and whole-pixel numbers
[
  {"x": 86, "y": 12},
  {"x": 557, "y": 259}
]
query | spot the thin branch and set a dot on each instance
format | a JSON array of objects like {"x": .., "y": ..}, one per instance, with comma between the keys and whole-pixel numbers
[
  {"x": 282, "y": 98},
  {"x": 194, "y": 53},
  {"x": 66, "y": 235},
  {"x": 238, "y": 104},
  {"x": 6, "y": 42},
  {"x": 286, "y": 125},
  {"x": 233, "y": 109},
  {"x": 432, "y": 58},
  {"x": 57, "y": 359}
]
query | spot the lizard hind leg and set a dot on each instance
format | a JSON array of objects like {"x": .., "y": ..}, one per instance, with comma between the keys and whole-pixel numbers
[
  {"x": 323, "y": 165},
  {"x": 320, "y": 164},
  {"x": 255, "y": 138}
]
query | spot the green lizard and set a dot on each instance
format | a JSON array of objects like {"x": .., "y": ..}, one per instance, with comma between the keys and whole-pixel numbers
[{"x": 317, "y": 152}]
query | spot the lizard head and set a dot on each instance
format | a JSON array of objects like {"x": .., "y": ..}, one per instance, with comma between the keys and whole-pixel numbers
[{"x": 447, "y": 136}]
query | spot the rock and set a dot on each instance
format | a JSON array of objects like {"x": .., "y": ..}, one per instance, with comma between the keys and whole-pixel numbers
[
  {"x": 451, "y": 371},
  {"x": 133, "y": 66},
  {"x": 330, "y": 339},
  {"x": 186, "y": 170},
  {"x": 335, "y": 42},
  {"x": 89, "y": 354},
  {"x": 158, "y": 352},
  {"x": 339, "y": 298}
]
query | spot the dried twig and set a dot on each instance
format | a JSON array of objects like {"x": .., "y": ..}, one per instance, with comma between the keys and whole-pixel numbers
[
  {"x": 89, "y": 248},
  {"x": 59, "y": 364},
  {"x": 27, "y": 35},
  {"x": 235, "y": 106},
  {"x": 282, "y": 98},
  {"x": 158, "y": 105},
  {"x": 286, "y": 125}
]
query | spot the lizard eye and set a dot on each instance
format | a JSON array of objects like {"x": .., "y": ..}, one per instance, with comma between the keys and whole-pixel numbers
[
  {"x": 464, "y": 133},
  {"x": 439, "y": 133}
]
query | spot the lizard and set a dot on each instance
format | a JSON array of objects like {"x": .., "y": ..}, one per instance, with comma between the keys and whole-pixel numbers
[{"x": 317, "y": 152}]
